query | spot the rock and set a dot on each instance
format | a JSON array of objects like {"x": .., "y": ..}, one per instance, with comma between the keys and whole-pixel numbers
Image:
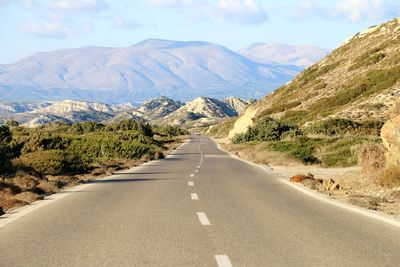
[
  {"x": 299, "y": 178},
  {"x": 390, "y": 134},
  {"x": 330, "y": 185}
]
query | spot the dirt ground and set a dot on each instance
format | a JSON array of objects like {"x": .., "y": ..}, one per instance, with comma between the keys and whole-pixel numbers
[{"x": 345, "y": 184}]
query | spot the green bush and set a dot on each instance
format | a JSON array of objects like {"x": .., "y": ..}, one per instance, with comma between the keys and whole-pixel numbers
[
  {"x": 266, "y": 129},
  {"x": 42, "y": 162},
  {"x": 340, "y": 126},
  {"x": 302, "y": 148}
]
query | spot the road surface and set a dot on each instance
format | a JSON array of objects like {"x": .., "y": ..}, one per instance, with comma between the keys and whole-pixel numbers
[{"x": 198, "y": 207}]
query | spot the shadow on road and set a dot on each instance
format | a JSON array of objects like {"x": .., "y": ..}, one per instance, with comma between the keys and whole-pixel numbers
[{"x": 128, "y": 180}]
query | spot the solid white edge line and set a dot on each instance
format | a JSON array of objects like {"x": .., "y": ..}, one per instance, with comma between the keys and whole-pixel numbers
[
  {"x": 194, "y": 196},
  {"x": 190, "y": 183},
  {"x": 20, "y": 212},
  {"x": 368, "y": 213},
  {"x": 223, "y": 261},
  {"x": 203, "y": 218}
]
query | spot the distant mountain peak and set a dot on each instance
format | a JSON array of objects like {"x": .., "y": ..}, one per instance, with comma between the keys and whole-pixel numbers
[
  {"x": 148, "y": 69},
  {"x": 277, "y": 53}
]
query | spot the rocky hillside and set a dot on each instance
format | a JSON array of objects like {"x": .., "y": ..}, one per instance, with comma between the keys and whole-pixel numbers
[
  {"x": 159, "y": 107},
  {"x": 148, "y": 69},
  {"x": 66, "y": 111},
  {"x": 151, "y": 109},
  {"x": 358, "y": 81},
  {"x": 274, "y": 53},
  {"x": 204, "y": 111}
]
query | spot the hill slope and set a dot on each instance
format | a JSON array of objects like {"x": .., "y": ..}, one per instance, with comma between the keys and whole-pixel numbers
[
  {"x": 181, "y": 70},
  {"x": 357, "y": 81}
]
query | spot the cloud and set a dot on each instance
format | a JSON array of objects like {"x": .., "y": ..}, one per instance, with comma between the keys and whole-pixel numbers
[
  {"x": 122, "y": 23},
  {"x": 77, "y": 5},
  {"x": 47, "y": 29},
  {"x": 171, "y": 3},
  {"x": 239, "y": 11},
  {"x": 351, "y": 10},
  {"x": 355, "y": 10},
  {"x": 235, "y": 11},
  {"x": 4, "y": 2}
]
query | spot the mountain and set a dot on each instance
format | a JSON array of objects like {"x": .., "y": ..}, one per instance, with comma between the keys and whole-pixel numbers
[
  {"x": 274, "y": 53},
  {"x": 360, "y": 80},
  {"x": 159, "y": 107},
  {"x": 68, "y": 111},
  {"x": 239, "y": 105},
  {"x": 201, "y": 111},
  {"x": 151, "y": 109},
  {"x": 148, "y": 69}
]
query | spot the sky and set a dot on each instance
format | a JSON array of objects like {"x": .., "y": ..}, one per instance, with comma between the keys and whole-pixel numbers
[{"x": 29, "y": 26}]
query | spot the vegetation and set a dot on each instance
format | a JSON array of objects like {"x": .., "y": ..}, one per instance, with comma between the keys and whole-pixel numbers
[
  {"x": 30, "y": 156},
  {"x": 331, "y": 142},
  {"x": 222, "y": 129}
]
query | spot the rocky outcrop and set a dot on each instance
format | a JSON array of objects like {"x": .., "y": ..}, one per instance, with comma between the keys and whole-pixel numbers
[
  {"x": 360, "y": 80},
  {"x": 390, "y": 134}
]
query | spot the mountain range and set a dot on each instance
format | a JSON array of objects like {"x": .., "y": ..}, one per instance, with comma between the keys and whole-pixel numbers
[
  {"x": 149, "y": 69},
  {"x": 200, "y": 111}
]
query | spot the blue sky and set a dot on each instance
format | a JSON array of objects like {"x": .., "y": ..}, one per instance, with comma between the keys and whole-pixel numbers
[{"x": 29, "y": 26}]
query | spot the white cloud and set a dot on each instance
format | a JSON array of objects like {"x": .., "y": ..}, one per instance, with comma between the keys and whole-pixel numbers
[
  {"x": 352, "y": 10},
  {"x": 355, "y": 10},
  {"x": 235, "y": 11},
  {"x": 122, "y": 23},
  {"x": 77, "y": 5},
  {"x": 48, "y": 29},
  {"x": 239, "y": 11},
  {"x": 171, "y": 3}
]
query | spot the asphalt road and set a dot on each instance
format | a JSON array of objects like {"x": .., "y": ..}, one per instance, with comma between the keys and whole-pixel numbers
[{"x": 198, "y": 207}]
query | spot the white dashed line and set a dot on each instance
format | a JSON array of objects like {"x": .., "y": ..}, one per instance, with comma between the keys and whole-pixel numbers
[
  {"x": 191, "y": 183},
  {"x": 196, "y": 171},
  {"x": 194, "y": 196},
  {"x": 198, "y": 167},
  {"x": 203, "y": 218},
  {"x": 223, "y": 261},
  {"x": 191, "y": 175}
]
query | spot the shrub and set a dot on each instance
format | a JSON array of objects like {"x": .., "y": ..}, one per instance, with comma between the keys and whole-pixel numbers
[
  {"x": 42, "y": 162},
  {"x": 266, "y": 129},
  {"x": 371, "y": 158},
  {"x": 302, "y": 149},
  {"x": 339, "y": 126},
  {"x": 390, "y": 177},
  {"x": 5, "y": 139}
]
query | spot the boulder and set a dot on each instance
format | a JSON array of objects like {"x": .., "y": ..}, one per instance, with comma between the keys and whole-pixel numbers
[
  {"x": 299, "y": 178},
  {"x": 330, "y": 185},
  {"x": 390, "y": 134}
]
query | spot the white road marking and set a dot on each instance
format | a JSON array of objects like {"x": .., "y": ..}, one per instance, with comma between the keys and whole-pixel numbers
[
  {"x": 190, "y": 183},
  {"x": 368, "y": 213},
  {"x": 203, "y": 218},
  {"x": 191, "y": 175},
  {"x": 194, "y": 196},
  {"x": 196, "y": 170},
  {"x": 223, "y": 261},
  {"x": 198, "y": 167}
]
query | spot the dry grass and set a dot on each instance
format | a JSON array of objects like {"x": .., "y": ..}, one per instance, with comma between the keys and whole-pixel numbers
[
  {"x": 394, "y": 110},
  {"x": 27, "y": 197},
  {"x": 390, "y": 177},
  {"x": 372, "y": 160}
]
